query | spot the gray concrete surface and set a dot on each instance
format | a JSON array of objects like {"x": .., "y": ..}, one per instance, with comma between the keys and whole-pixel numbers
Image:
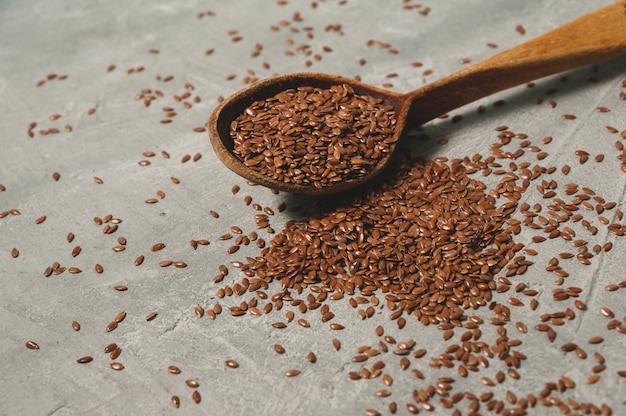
[{"x": 81, "y": 39}]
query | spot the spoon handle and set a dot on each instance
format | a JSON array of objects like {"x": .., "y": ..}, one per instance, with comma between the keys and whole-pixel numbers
[{"x": 591, "y": 38}]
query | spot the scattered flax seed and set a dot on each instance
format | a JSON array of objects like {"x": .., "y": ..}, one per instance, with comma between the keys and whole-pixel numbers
[
  {"x": 292, "y": 373},
  {"x": 98, "y": 268},
  {"x": 175, "y": 400},
  {"x": 84, "y": 360},
  {"x": 56, "y": 176},
  {"x": 40, "y": 219},
  {"x": 120, "y": 288},
  {"x": 32, "y": 345},
  {"x": 173, "y": 369},
  {"x": 192, "y": 383},
  {"x": 117, "y": 366},
  {"x": 150, "y": 316},
  {"x": 196, "y": 397},
  {"x": 593, "y": 379},
  {"x": 111, "y": 326},
  {"x": 110, "y": 348},
  {"x": 231, "y": 363},
  {"x": 120, "y": 317},
  {"x": 15, "y": 252},
  {"x": 75, "y": 326}
]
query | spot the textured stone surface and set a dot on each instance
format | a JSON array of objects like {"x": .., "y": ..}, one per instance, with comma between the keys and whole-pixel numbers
[{"x": 81, "y": 39}]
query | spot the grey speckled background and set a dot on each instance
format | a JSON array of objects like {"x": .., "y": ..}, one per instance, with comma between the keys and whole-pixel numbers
[{"x": 81, "y": 39}]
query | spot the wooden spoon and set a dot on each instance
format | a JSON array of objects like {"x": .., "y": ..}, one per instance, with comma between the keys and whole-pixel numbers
[{"x": 591, "y": 38}]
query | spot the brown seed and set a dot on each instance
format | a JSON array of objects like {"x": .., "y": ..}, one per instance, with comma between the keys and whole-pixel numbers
[
  {"x": 607, "y": 312},
  {"x": 279, "y": 349},
  {"x": 32, "y": 345},
  {"x": 75, "y": 326},
  {"x": 175, "y": 400},
  {"x": 192, "y": 383},
  {"x": 115, "y": 353},
  {"x": 196, "y": 397},
  {"x": 150, "y": 316},
  {"x": 139, "y": 260},
  {"x": 593, "y": 379},
  {"x": 117, "y": 366},
  {"x": 111, "y": 326},
  {"x": 231, "y": 363},
  {"x": 292, "y": 373},
  {"x": 109, "y": 348},
  {"x": 120, "y": 288},
  {"x": 158, "y": 247},
  {"x": 173, "y": 369},
  {"x": 40, "y": 219},
  {"x": 84, "y": 360},
  {"x": 120, "y": 317},
  {"x": 15, "y": 253},
  {"x": 336, "y": 344},
  {"x": 596, "y": 340},
  {"x": 311, "y": 357}
]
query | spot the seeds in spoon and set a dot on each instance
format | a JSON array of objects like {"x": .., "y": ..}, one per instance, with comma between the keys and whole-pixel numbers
[{"x": 313, "y": 136}]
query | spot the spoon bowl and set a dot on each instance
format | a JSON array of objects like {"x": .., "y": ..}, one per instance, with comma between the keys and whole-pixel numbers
[
  {"x": 231, "y": 108},
  {"x": 591, "y": 38}
]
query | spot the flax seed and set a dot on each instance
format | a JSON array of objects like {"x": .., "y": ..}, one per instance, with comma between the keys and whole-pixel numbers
[
  {"x": 110, "y": 348},
  {"x": 292, "y": 373},
  {"x": 32, "y": 345},
  {"x": 115, "y": 353},
  {"x": 111, "y": 326}
]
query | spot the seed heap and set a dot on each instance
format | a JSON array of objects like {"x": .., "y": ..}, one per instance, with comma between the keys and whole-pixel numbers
[
  {"x": 423, "y": 237},
  {"x": 313, "y": 136}
]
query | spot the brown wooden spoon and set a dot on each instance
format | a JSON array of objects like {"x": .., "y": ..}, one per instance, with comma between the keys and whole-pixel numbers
[{"x": 591, "y": 38}]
